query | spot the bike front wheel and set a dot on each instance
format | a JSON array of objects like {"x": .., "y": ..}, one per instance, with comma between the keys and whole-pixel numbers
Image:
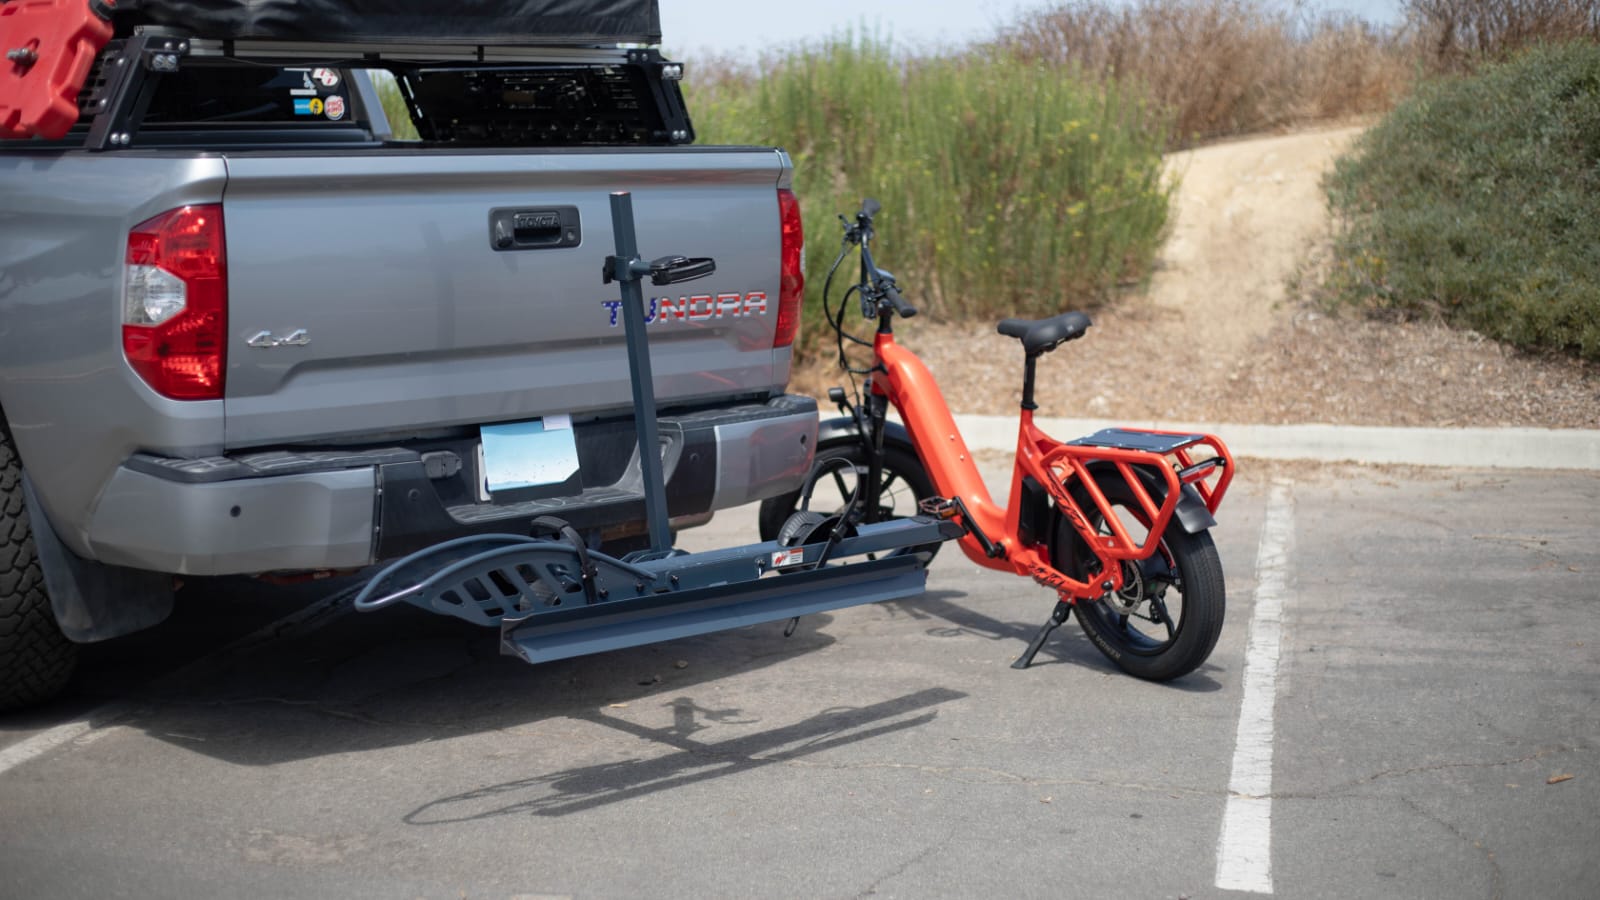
[
  {"x": 902, "y": 483},
  {"x": 1166, "y": 619}
]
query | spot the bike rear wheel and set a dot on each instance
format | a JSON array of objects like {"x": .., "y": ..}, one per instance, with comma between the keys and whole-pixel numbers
[{"x": 1166, "y": 619}]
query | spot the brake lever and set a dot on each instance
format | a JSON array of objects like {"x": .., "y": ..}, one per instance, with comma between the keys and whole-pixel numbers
[{"x": 869, "y": 302}]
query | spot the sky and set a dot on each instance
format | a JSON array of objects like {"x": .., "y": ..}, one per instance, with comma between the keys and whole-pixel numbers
[{"x": 743, "y": 28}]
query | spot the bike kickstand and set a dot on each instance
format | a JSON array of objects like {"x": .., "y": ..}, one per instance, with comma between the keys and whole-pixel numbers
[{"x": 1057, "y": 616}]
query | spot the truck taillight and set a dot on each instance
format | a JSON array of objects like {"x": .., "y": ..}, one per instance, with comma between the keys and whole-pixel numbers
[
  {"x": 792, "y": 281},
  {"x": 175, "y": 302}
]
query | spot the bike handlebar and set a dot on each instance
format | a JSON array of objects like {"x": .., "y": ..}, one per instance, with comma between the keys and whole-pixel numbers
[
  {"x": 877, "y": 286},
  {"x": 904, "y": 309}
]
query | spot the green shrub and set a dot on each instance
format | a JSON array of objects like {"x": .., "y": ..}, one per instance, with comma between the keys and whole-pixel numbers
[
  {"x": 1479, "y": 199},
  {"x": 1008, "y": 187}
]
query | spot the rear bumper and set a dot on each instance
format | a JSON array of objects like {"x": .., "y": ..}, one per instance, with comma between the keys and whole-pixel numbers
[{"x": 286, "y": 510}]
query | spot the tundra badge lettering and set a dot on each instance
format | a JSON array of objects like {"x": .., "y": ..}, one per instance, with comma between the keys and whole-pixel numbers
[
  {"x": 296, "y": 338},
  {"x": 696, "y": 308}
]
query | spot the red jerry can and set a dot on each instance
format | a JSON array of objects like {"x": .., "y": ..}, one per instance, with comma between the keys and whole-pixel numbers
[{"x": 46, "y": 49}]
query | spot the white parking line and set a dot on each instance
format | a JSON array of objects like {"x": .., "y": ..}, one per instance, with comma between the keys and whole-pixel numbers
[
  {"x": 306, "y": 619},
  {"x": 45, "y": 741},
  {"x": 1244, "y": 851}
]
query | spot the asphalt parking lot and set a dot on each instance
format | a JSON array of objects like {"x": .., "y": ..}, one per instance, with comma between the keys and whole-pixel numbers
[{"x": 1430, "y": 730}]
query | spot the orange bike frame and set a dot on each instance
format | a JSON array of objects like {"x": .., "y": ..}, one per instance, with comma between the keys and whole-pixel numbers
[{"x": 901, "y": 377}]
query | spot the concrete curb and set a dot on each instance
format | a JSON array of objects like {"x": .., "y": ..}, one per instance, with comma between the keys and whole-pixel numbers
[{"x": 1479, "y": 448}]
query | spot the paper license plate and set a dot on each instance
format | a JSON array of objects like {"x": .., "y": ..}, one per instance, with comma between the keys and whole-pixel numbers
[{"x": 528, "y": 454}]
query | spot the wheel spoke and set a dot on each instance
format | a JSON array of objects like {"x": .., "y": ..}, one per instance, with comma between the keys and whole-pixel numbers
[
  {"x": 887, "y": 489},
  {"x": 1159, "y": 604},
  {"x": 839, "y": 484},
  {"x": 886, "y": 482}
]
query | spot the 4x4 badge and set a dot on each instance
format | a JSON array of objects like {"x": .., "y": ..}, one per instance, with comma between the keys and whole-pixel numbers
[{"x": 296, "y": 338}]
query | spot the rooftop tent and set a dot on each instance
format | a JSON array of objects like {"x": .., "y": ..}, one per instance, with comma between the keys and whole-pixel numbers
[{"x": 501, "y": 22}]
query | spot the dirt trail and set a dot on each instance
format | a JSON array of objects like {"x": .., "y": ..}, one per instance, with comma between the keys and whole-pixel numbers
[
  {"x": 1216, "y": 338},
  {"x": 1245, "y": 215}
]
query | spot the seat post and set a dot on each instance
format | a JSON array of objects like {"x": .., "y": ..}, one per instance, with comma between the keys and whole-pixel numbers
[{"x": 1029, "y": 360}]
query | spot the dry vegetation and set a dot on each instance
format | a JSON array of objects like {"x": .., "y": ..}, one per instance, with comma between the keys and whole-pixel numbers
[
  {"x": 1223, "y": 67},
  {"x": 1336, "y": 369},
  {"x": 1227, "y": 67},
  {"x": 1457, "y": 35}
]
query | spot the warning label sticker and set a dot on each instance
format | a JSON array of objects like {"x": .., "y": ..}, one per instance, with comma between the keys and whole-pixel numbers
[
  {"x": 306, "y": 88},
  {"x": 790, "y": 557}
]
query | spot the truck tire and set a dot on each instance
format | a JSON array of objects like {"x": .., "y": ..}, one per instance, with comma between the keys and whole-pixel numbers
[{"x": 36, "y": 659}]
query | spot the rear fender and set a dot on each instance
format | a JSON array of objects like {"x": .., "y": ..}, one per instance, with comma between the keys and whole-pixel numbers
[{"x": 1191, "y": 514}]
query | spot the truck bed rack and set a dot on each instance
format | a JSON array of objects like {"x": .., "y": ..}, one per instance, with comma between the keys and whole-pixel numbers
[{"x": 601, "y": 85}]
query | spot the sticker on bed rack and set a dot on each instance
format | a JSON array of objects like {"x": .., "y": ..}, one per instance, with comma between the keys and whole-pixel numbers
[
  {"x": 308, "y": 106},
  {"x": 307, "y": 87},
  {"x": 791, "y": 557},
  {"x": 335, "y": 107},
  {"x": 326, "y": 77}
]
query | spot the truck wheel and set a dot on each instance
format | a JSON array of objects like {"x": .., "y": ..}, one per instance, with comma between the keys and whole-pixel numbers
[{"x": 36, "y": 659}]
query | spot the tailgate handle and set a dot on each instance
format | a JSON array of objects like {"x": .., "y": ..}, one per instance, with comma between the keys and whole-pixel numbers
[
  {"x": 536, "y": 228},
  {"x": 540, "y": 228}
]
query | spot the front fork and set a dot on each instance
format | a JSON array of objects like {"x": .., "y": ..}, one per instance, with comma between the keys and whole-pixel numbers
[
  {"x": 869, "y": 424},
  {"x": 877, "y": 411}
]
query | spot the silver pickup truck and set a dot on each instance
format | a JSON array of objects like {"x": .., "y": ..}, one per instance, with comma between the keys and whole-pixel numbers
[{"x": 243, "y": 329}]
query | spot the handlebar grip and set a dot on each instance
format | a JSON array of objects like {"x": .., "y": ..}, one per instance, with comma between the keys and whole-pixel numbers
[{"x": 901, "y": 307}]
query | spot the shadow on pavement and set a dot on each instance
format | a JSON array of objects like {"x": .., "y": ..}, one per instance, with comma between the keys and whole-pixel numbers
[
  {"x": 364, "y": 682},
  {"x": 400, "y": 677},
  {"x": 587, "y": 787},
  {"x": 1066, "y": 645}
]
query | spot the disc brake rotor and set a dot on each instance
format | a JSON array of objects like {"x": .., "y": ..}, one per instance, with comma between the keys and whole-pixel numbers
[{"x": 1126, "y": 600}]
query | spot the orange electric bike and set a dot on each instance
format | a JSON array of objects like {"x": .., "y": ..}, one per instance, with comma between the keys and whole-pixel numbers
[{"x": 1116, "y": 522}]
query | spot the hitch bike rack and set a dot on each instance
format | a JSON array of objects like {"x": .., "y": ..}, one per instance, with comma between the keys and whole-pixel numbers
[{"x": 553, "y": 598}]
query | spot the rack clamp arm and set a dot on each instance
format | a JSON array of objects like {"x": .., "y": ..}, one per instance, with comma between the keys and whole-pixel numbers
[{"x": 664, "y": 270}]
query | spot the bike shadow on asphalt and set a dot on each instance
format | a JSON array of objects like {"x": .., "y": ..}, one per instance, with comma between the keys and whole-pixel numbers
[
  {"x": 1066, "y": 646},
  {"x": 691, "y": 761}
]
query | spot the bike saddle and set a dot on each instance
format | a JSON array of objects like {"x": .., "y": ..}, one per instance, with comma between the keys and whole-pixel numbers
[{"x": 1043, "y": 335}]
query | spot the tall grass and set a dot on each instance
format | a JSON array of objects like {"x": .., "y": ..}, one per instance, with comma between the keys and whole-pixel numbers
[
  {"x": 1009, "y": 187},
  {"x": 1222, "y": 67}
]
